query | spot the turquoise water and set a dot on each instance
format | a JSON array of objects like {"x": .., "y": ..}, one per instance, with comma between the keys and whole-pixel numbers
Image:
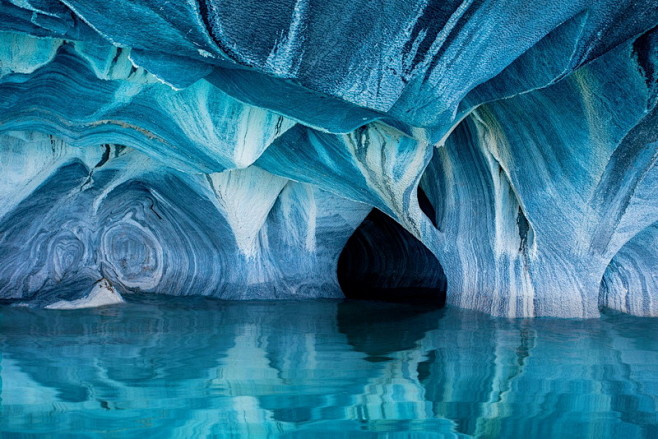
[{"x": 186, "y": 368}]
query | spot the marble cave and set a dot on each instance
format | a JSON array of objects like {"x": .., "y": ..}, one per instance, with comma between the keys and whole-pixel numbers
[{"x": 495, "y": 155}]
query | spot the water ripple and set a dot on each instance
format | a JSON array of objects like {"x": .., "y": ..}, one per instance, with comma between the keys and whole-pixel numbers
[{"x": 162, "y": 367}]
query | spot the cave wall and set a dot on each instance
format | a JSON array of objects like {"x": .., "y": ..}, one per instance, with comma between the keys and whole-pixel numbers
[{"x": 231, "y": 149}]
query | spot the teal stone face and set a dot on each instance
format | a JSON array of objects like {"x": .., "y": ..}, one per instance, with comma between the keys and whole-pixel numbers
[{"x": 230, "y": 149}]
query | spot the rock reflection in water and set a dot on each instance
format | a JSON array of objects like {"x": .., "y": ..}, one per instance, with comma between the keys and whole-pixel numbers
[{"x": 168, "y": 367}]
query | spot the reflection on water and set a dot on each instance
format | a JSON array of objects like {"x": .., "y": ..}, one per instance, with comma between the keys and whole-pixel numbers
[{"x": 187, "y": 368}]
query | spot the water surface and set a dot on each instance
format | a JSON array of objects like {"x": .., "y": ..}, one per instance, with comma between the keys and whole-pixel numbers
[{"x": 184, "y": 368}]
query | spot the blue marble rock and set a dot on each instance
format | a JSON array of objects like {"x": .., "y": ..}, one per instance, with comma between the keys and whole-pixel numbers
[{"x": 232, "y": 148}]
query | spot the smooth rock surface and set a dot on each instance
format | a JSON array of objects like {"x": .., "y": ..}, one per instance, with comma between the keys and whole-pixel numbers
[
  {"x": 102, "y": 294},
  {"x": 231, "y": 148}
]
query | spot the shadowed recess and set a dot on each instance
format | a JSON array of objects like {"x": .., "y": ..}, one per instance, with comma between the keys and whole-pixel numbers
[{"x": 383, "y": 261}]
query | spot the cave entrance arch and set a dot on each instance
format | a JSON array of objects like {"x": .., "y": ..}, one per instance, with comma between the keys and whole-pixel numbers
[{"x": 383, "y": 261}]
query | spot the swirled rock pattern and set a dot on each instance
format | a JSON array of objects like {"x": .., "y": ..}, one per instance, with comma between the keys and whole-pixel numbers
[
  {"x": 111, "y": 213},
  {"x": 231, "y": 148}
]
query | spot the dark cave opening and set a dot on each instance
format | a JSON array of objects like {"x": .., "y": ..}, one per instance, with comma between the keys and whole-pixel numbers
[
  {"x": 426, "y": 206},
  {"x": 383, "y": 261}
]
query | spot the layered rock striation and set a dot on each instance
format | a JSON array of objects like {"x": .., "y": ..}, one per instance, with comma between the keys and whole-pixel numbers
[{"x": 232, "y": 148}]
